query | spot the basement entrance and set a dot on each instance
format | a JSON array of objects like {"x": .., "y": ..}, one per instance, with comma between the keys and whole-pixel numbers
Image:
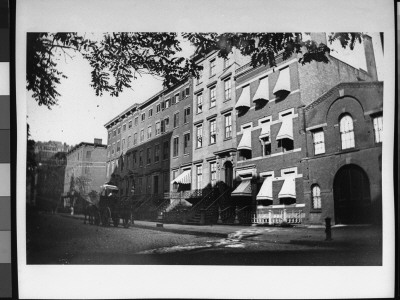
[{"x": 351, "y": 192}]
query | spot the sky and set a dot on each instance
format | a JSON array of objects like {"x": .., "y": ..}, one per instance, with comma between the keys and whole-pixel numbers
[{"x": 80, "y": 115}]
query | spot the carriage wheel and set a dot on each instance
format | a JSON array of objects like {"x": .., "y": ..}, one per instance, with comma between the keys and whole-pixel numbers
[
  {"x": 106, "y": 217},
  {"x": 116, "y": 221}
]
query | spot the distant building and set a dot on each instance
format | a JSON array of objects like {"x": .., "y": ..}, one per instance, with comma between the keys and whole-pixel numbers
[
  {"x": 86, "y": 168},
  {"x": 47, "y": 150}
]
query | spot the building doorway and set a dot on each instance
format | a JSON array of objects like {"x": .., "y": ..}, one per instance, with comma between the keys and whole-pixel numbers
[
  {"x": 352, "y": 198},
  {"x": 228, "y": 173}
]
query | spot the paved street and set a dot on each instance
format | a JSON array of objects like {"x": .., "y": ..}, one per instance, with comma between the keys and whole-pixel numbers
[{"x": 57, "y": 239}]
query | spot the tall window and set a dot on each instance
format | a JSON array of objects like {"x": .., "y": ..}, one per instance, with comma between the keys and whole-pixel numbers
[
  {"x": 158, "y": 108},
  {"x": 130, "y": 124},
  {"x": 113, "y": 148},
  {"x": 119, "y": 130},
  {"x": 213, "y": 98},
  {"x": 212, "y": 67},
  {"x": 166, "y": 150},
  {"x": 143, "y": 116},
  {"x": 140, "y": 158},
  {"x": 124, "y": 127},
  {"x": 378, "y": 128},
  {"x": 226, "y": 62},
  {"x": 114, "y": 132},
  {"x": 166, "y": 124},
  {"x": 175, "y": 151},
  {"x": 136, "y": 121},
  {"x": 150, "y": 112},
  {"x": 123, "y": 144},
  {"x": 158, "y": 128},
  {"x": 213, "y": 173},
  {"x": 228, "y": 89},
  {"x": 316, "y": 196},
  {"x": 319, "y": 142},
  {"x": 149, "y": 132},
  {"x": 347, "y": 131},
  {"x": 187, "y": 90},
  {"x": 186, "y": 142},
  {"x": 266, "y": 145},
  {"x": 177, "y": 98},
  {"x": 199, "y": 103},
  {"x": 135, "y": 138},
  {"x": 176, "y": 119},
  {"x": 228, "y": 126},
  {"x": 157, "y": 153},
  {"x": 167, "y": 103},
  {"x": 118, "y": 147},
  {"x": 199, "y": 176},
  {"x": 186, "y": 114},
  {"x": 148, "y": 156},
  {"x": 213, "y": 132},
  {"x": 142, "y": 135},
  {"x": 199, "y": 136}
]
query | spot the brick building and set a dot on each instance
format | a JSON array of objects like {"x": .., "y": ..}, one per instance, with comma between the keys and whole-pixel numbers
[
  {"x": 271, "y": 136},
  {"x": 86, "y": 168}
]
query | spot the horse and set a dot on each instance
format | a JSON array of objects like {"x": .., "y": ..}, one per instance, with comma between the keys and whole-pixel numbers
[{"x": 92, "y": 214}]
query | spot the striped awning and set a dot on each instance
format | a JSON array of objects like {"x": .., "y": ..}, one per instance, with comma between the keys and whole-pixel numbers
[
  {"x": 265, "y": 129},
  {"x": 184, "y": 178},
  {"x": 265, "y": 192},
  {"x": 286, "y": 130},
  {"x": 283, "y": 83},
  {"x": 243, "y": 189},
  {"x": 288, "y": 189},
  {"x": 244, "y": 99},
  {"x": 245, "y": 142},
  {"x": 262, "y": 92}
]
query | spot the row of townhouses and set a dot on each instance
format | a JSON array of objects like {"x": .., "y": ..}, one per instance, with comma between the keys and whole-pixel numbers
[{"x": 294, "y": 143}]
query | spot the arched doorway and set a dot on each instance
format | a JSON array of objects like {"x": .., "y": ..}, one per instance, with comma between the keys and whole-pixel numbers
[
  {"x": 228, "y": 173},
  {"x": 351, "y": 192}
]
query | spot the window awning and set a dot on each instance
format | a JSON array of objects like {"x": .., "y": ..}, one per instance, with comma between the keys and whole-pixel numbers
[
  {"x": 244, "y": 99},
  {"x": 283, "y": 83},
  {"x": 265, "y": 192},
  {"x": 288, "y": 189},
  {"x": 244, "y": 189},
  {"x": 184, "y": 178},
  {"x": 265, "y": 130},
  {"x": 262, "y": 92},
  {"x": 245, "y": 142},
  {"x": 286, "y": 130}
]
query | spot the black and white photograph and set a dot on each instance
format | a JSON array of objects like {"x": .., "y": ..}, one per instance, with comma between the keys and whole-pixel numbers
[{"x": 162, "y": 151}]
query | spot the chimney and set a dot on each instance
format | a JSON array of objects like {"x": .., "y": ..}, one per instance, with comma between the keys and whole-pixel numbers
[
  {"x": 97, "y": 142},
  {"x": 370, "y": 57}
]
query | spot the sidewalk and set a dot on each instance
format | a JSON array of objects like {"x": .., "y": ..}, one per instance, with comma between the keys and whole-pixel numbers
[{"x": 342, "y": 236}]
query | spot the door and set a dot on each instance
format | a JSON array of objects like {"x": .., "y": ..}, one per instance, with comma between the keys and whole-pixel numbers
[
  {"x": 351, "y": 192},
  {"x": 228, "y": 173}
]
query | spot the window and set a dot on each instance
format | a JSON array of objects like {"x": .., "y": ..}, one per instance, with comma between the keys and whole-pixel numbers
[
  {"x": 347, "y": 131},
  {"x": 129, "y": 141},
  {"x": 213, "y": 99},
  {"x": 378, "y": 128},
  {"x": 118, "y": 146},
  {"x": 143, "y": 116},
  {"x": 177, "y": 98},
  {"x": 141, "y": 135},
  {"x": 200, "y": 79},
  {"x": 175, "y": 151},
  {"x": 148, "y": 156},
  {"x": 199, "y": 177},
  {"x": 199, "y": 136},
  {"x": 212, "y": 67},
  {"x": 130, "y": 124},
  {"x": 174, "y": 175},
  {"x": 158, "y": 128},
  {"x": 213, "y": 132},
  {"x": 319, "y": 142},
  {"x": 186, "y": 143},
  {"x": 166, "y": 150},
  {"x": 186, "y": 114},
  {"x": 114, "y": 132},
  {"x": 136, "y": 121},
  {"x": 124, "y": 127},
  {"x": 176, "y": 119},
  {"x": 157, "y": 153},
  {"x": 285, "y": 134},
  {"x": 199, "y": 103},
  {"x": 88, "y": 154},
  {"x": 158, "y": 108},
  {"x": 109, "y": 134},
  {"x": 123, "y": 144},
  {"x": 149, "y": 132},
  {"x": 140, "y": 158},
  {"x": 316, "y": 196},
  {"x": 228, "y": 126},
  {"x": 135, "y": 139},
  {"x": 213, "y": 173},
  {"x": 167, "y": 103},
  {"x": 228, "y": 89},
  {"x": 150, "y": 112},
  {"x": 226, "y": 62},
  {"x": 187, "y": 91},
  {"x": 134, "y": 157},
  {"x": 113, "y": 148},
  {"x": 119, "y": 130},
  {"x": 166, "y": 123},
  {"x": 266, "y": 146},
  {"x": 286, "y": 145}
]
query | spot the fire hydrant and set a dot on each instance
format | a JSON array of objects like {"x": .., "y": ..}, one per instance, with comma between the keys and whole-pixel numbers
[{"x": 328, "y": 229}]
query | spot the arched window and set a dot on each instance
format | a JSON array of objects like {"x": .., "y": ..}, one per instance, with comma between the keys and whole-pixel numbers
[
  {"x": 347, "y": 131},
  {"x": 316, "y": 196}
]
